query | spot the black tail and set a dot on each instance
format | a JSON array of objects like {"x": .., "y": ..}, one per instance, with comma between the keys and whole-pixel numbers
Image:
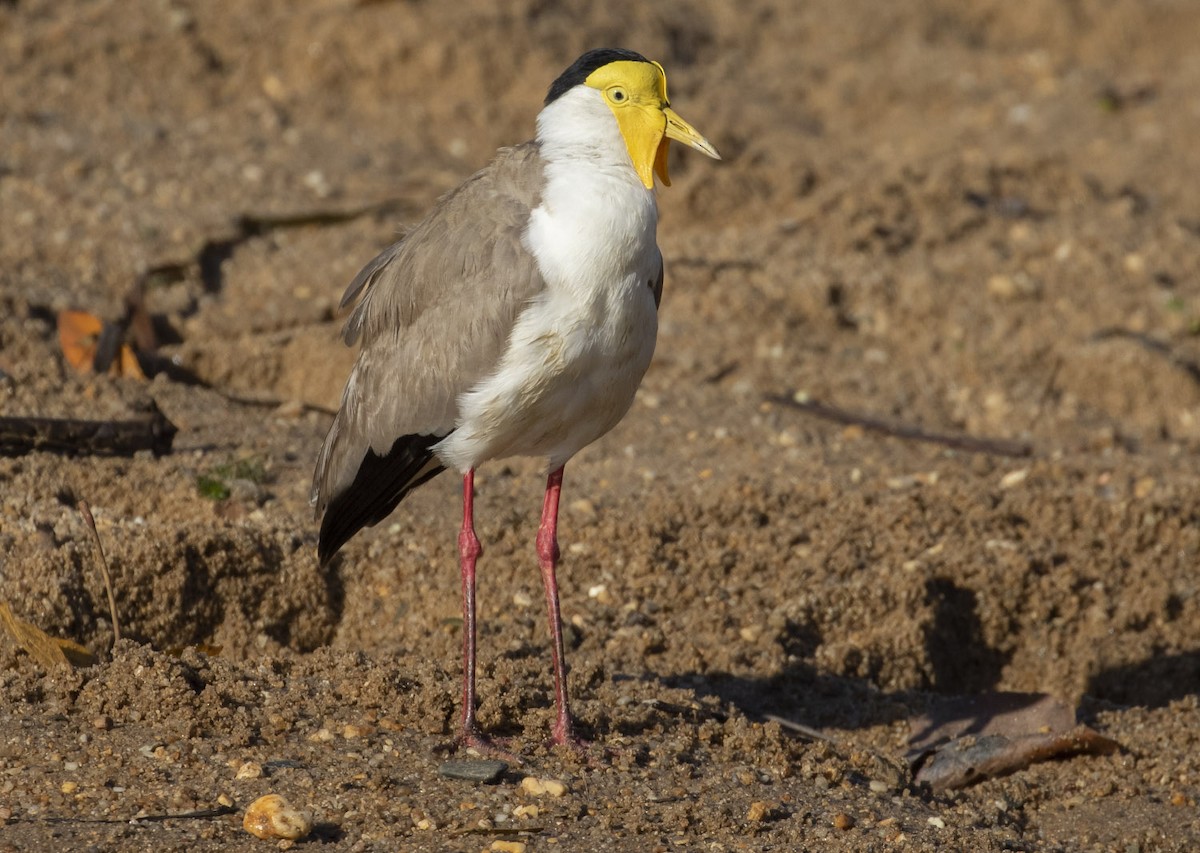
[{"x": 378, "y": 487}]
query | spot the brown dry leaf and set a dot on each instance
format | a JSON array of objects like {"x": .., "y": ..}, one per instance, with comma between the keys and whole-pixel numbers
[
  {"x": 1009, "y": 714},
  {"x": 966, "y": 739},
  {"x": 46, "y": 650},
  {"x": 127, "y": 364},
  {"x": 80, "y": 335},
  {"x": 78, "y": 332},
  {"x": 207, "y": 649},
  {"x": 964, "y": 762}
]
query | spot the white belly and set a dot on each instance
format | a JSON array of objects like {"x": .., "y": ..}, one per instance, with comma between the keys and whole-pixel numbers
[
  {"x": 577, "y": 354},
  {"x": 568, "y": 378}
]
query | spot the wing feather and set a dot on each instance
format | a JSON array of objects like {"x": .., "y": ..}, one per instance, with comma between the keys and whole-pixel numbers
[{"x": 434, "y": 315}]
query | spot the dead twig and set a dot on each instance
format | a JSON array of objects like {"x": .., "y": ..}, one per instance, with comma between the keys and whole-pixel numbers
[
  {"x": 800, "y": 729},
  {"x": 198, "y": 814},
  {"x": 20, "y": 435},
  {"x": 86, "y": 512},
  {"x": 957, "y": 441},
  {"x": 1152, "y": 345}
]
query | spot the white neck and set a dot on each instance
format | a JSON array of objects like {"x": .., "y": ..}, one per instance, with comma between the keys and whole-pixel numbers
[{"x": 578, "y": 126}]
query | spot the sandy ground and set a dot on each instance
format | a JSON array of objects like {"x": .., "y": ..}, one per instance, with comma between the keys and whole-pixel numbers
[{"x": 967, "y": 220}]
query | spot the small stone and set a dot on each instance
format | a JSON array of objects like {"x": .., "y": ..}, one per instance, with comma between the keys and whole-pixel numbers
[
  {"x": 583, "y": 507},
  {"x": 425, "y": 824},
  {"x": 843, "y": 821},
  {"x": 350, "y": 731},
  {"x": 1134, "y": 263},
  {"x": 508, "y": 846},
  {"x": 1002, "y": 287},
  {"x": 69, "y": 787},
  {"x": 529, "y": 812},
  {"x": 1144, "y": 487},
  {"x": 250, "y": 770},
  {"x": 471, "y": 770},
  {"x": 538, "y": 787},
  {"x": 273, "y": 88},
  {"x": 1179, "y": 799},
  {"x": 224, "y": 800},
  {"x": 289, "y": 409},
  {"x": 271, "y": 816},
  {"x": 877, "y": 786},
  {"x": 936, "y": 822},
  {"x": 757, "y": 811},
  {"x": 102, "y": 723},
  {"x": 1014, "y": 478}
]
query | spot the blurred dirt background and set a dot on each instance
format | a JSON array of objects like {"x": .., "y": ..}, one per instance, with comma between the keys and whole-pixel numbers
[{"x": 962, "y": 219}]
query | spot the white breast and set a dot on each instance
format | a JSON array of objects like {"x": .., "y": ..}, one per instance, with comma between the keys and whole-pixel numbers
[{"x": 578, "y": 353}]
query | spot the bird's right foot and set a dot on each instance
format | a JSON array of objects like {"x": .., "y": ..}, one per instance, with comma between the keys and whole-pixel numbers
[{"x": 472, "y": 738}]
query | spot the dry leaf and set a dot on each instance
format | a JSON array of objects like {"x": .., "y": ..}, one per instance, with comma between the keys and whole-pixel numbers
[
  {"x": 127, "y": 363},
  {"x": 49, "y": 651},
  {"x": 78, "y": 332},
  {"x": 207, "y": 649},
  {"x": 1000, "y": 713},
  {"x": 88, "y": 343},
  {"x": 965, "y": 739},
  {"x": 970, "y": 760}
]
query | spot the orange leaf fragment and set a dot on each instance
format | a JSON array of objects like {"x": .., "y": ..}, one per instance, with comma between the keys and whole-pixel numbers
[{"x": 78, "y": 332}]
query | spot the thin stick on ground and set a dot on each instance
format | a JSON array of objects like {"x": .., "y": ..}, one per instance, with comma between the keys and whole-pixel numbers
[
  {"x": 86, "y": 512},
  {"x": 907, "y": 432},
  {"x": 800, "y": 729}
]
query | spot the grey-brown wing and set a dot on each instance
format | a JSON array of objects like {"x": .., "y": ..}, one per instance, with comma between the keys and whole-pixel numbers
[{"x": 434, "y": 316}]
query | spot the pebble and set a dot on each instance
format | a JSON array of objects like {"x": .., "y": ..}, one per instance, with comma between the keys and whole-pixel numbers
[
  {"x": 757, "y": 811},
  {"x": 271, "y": 816},
  {"x": 250, "y": 770},
  {"x": 936, "y": 822},
  {"x": 1014, "y": 478},
  {"x": 600, "y": 593},
  {"x": 524, "y": 812},
  {"x": 472, "y": 770},
  {"x": 537, "y": 787},
  {"x": 877, "y": 786},
  {"x": 508, "y": 846},
  {"x": 843, "y": 821}
]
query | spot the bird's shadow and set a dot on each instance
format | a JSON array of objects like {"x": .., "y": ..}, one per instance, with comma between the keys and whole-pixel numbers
[
  {"x": 1154, "y": 682},
  {"x": 962, "y": 664}
]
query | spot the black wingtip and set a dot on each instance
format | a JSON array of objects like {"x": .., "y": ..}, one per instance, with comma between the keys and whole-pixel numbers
[{"x": 378, "y": 487}]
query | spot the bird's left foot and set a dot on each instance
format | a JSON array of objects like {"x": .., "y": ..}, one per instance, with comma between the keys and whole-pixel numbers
[
  {"x": 471, "y": 738},
  {"x": 565, "y": 736}
]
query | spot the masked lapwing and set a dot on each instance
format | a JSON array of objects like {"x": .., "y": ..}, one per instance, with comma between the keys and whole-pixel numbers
[{"x": 516, "y": 319}]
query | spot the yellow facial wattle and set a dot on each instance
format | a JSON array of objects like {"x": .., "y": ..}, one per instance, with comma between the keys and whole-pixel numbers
[{"x": 636, "y": 92}]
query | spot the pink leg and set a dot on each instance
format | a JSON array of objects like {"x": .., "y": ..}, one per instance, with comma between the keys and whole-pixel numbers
[
  {"x": 469, "y": 550},
  {"x": 547, "y": 548}
]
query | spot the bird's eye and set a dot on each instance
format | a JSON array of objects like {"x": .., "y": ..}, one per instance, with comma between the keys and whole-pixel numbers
[{"x": 617, "y": 95}]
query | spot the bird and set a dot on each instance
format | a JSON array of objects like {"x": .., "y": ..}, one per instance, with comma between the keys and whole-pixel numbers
[{"x": 517, "y": 318}]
